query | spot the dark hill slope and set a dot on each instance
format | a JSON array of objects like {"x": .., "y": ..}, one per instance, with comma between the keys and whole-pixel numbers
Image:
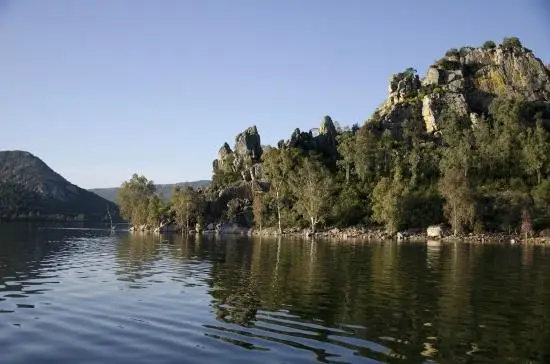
[{"x": 31, "y": 189}]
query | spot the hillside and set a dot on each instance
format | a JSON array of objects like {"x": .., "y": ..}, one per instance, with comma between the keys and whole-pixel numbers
[
  {"x": 164, "y": 190},
  {"x": 467, "y": 145},
  {"x": 31, "y": 189}
]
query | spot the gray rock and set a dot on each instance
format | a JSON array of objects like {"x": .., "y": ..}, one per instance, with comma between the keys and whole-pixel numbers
[
  {"x": 434, "y": 105},
  {"x": 403, "y": 86},
  {"x": 433, "y": 77},
  {"x": 248, "y": 143},
  {"x": 326, "y": 140}
]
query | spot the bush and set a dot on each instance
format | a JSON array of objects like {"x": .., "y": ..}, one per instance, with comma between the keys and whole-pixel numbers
[
  {"x": 465, "y": 50},
  {"x": 447, "y": 64},
  {"x": 489, "y": 45},
  {"x": 453, "y": 52},
  {"x": 511, "y": 43}
]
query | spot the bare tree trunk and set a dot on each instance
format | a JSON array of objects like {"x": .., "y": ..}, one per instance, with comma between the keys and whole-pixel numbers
[
  {"x": 279, "y": 213},
  {"x": 187, "y": 217}
]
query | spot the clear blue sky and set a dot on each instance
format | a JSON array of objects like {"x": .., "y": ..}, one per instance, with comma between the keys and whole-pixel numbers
[{"x": 103, "y": 88}]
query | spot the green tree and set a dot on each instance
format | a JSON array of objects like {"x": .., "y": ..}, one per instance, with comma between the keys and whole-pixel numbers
[
  {"x": 157, "y": 212},
  {"x": 511, "y": 43},
  {"x": 185, "y": 206},
  {"x": 387, "y": 199},
  {"x": 277, "y": 166},
  {"x": 536, "y": 150},
  {"x": 311, "y": 184},
  {"x": 489, "y": 45},
  {"x": 258, "y": 206},
  {"x": 133, "y": 199},
  {"x": 459, "y": 198},
  {"x": 346, "y": 150},
  {"x": 541, "y": 201}
]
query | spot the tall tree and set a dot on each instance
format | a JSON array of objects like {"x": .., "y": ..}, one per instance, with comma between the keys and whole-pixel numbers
[
  {"x": 185, "y": 205},
  {"x": 311, "y": 184},
  {"x": 346, "y": 150},
  {"x": 257, "y": 205},
  {"x": 133, "y": 199},
  {"x": 459, "y": 199},
  {"x": 536, "y": 150},
  {"x": 277, "y": 166},
  {"x": 387, "y": 199}
]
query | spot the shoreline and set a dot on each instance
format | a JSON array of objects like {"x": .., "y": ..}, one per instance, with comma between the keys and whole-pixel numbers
[{"x": 359, "y": 233}]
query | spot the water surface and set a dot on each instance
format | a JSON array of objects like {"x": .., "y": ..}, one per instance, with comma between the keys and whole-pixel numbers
[{"x": 89, "y": 296}]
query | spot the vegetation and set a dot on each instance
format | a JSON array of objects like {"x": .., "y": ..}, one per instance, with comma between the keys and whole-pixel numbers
[
  {"x": 511, "y": 43},
  {"x": 489, "y": 45},
  {"x": 493, "y": 175}
]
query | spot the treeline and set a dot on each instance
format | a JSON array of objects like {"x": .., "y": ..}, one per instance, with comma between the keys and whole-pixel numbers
[{"x": 492, "y": 175}]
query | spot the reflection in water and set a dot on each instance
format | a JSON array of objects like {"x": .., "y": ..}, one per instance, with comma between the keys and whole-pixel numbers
[{"x": 66, "y": 295}]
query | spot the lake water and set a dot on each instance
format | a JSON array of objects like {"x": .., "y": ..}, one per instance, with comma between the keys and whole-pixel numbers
[{"x": 89, "y": 296}]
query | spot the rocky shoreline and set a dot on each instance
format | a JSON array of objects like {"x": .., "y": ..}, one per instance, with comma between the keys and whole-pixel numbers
[{"x": 363, "y": 233}]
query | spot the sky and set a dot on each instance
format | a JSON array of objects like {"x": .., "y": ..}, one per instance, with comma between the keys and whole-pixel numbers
[{"x": 105, "y": 88}]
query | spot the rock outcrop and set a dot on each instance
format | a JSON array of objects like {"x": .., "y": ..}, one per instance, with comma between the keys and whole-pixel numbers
[
  {"x": 322, "y": 139},
  {"x": 245, "y": 156},
  {"x": 463, "y": 84}
]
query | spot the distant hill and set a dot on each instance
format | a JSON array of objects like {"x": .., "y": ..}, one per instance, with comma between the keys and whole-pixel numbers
[
  {"x": 29, "y": 189},
  {"x": 164, "y": 190}
]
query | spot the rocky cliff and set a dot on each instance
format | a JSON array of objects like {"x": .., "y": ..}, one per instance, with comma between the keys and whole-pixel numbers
[
  {"x": 31, "y": 189},
  {"x": 463, "y": 83}
]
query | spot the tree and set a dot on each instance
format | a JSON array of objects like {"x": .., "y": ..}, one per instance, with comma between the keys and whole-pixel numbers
[
  {"x": 258, "y": 206},
  {"x": 157, "y": 212},
  {"x": 133, "y": 199},
  {"x": 346, "y": 150},
  {"x": 541, "y": 200},
  {"x": 511, "y": 43},
  {"x": 459, "y": 199},
  {"x": 489, "y": 45},
  {"x": 387, "y": 199},
  {"x": 277, "y": 166},
  {"x": 311, "y": 185},
  {"x": 185, "y": 205},
  {"x": 535, "y": 150}
]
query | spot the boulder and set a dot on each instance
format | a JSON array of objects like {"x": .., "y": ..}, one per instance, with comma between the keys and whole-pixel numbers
[{"x": 435, "y": 231}]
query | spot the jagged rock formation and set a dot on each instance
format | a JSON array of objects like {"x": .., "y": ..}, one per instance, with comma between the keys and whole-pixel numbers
[
  {"x": 244, "y": 158},
  {"x": 322, "y": 140},
  {"x": 31, "y": 189},
  {"x": 463, "y": 83}
]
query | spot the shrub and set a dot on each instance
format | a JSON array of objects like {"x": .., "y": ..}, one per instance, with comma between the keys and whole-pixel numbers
[
  {"x": 453, "y": 52},
  {"x": 465, "y": 50},
  {"x": 489, "y": 45},
  {"x": 511, "y": 43},
  {"x": 447, "y": 64}
]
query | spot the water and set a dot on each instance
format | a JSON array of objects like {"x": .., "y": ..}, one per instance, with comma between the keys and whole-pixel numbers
[{"x": 88, "y": 296}]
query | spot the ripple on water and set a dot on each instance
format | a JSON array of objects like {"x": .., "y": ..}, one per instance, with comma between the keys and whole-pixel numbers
[{"x": 80, "y": 297}]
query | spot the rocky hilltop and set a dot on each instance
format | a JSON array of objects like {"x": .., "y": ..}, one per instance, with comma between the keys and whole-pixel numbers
[
  {"x": 464, "y": 82},
  {"x": 466, "y": 144},
  {"x": 29, "y": 189}
]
